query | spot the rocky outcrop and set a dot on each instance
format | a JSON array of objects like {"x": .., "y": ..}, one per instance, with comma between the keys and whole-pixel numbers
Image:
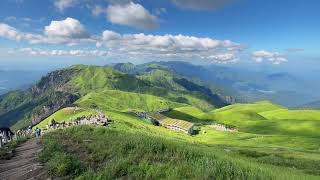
[
  {"x": 56, "y": 81},
  {"x": 51, "y": 93},
  {"x": 51, "y": 104},
  {"x": 230, "y": 99}
]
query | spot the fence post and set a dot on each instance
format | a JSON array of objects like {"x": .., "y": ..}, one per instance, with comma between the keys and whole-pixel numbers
[
  {"x": 9, "y": 137},
  {"x": 1, "y": 142},
  {"x": 5, "y": 138}
]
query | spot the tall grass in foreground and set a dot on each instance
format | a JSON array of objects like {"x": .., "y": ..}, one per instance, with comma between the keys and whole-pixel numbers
[{"x": 106, "y": 153}]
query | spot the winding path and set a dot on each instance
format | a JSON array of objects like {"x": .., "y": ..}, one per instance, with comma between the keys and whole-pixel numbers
[{"x": 24, "y": 164}]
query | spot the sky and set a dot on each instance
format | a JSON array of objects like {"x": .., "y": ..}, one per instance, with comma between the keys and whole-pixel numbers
[{"x": 257, "y": 34}]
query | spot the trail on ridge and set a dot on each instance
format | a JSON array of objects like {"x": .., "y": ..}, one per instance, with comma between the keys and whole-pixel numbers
[{"x": 24, "y": 164}]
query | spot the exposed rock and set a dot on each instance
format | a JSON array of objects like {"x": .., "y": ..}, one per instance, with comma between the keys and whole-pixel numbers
[{"x": 52, "y": 104}]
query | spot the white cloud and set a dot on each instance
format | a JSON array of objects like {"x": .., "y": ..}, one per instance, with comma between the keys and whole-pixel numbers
[
  {"x": 131, "y": 14},
  {"x": 65, "y": 53},
  {"x": 64, "y": 4},
  {"x": 68, "y": 28},
  {"x": 201, "y": 4},
  {"x": 12, "y": 33},
  {"x": 273, "y": 57},
  {"x": 9, "y": 32},
  {"x": 171, "y": 46},
  {"x": 69, "y": 31}
]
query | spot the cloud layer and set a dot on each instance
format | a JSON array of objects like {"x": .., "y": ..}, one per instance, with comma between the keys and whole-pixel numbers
[
  {"x": 171, "y": 46},
  {"x": 273, "y": 57},
  {"x": 59, "y": 52},
  {"x": 72, "y": 32},
  {"x": 144, "y": 46}
]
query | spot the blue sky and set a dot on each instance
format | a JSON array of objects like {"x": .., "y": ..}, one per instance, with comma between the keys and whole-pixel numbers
[{"x": 260, "y": 33}]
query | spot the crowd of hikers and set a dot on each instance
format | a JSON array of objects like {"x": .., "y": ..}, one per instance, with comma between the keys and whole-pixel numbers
[{"x": 6, "y": 135}]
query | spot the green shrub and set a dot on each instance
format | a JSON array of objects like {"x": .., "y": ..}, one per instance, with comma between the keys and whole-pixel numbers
[{"x": 61, "y": 164}]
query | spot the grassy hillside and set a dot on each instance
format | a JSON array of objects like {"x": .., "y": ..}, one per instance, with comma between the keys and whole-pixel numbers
[
  {"x": 292, "y": 114},
  {"x": 137, "y": 149},
  {"x": 125, "y": 101},
  {"x": 267, "y": 118},
  {"x": 138, "y": 156}
]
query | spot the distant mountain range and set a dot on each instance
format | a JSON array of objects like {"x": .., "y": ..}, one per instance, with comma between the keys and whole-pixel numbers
[
  {"x": 244, "y": 85},
  {"x": 315, "y": 105}
]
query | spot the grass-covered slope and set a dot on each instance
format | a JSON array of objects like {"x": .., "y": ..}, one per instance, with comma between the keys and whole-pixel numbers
[
  {"x": 267, "y": 118},
  {"x": 292, "y": 114},
  {"x": 131, "y": 148},
  {"x": 139, "y": 156},
  {"x": 125, "y": 101}
]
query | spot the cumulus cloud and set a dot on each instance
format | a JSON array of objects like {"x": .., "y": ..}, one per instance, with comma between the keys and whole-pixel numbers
[
  {"x": 69, "y": 31},
  {"x": 65, "y": 53},
  {"x": 12, "y": 33},
  {"x": 171, "y": 46},
  {"x": 68, "y": 28},
  {"x": 61, "y": 5},
  {"x": 201, "y": 4},
  {"x": 273, "y": 57},
  {"x": 131, "y": 14}
]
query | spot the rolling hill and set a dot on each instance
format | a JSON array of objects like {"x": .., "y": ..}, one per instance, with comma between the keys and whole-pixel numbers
[{"x": 139, "y": 149}]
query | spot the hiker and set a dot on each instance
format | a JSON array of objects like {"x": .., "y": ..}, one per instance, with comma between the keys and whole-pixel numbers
[
  {"x": 29, "y": 131},
  {"x": 53, "y": 124},
  {"x": 38, "y": 132}
]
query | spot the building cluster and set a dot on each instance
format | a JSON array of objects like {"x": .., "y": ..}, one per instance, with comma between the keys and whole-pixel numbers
[
  {"x": 177, "y": 125},
  {"x": 100, "y": 119},
  {"x": 221, "y": 127},
  {"x": 172, "y": 124}
]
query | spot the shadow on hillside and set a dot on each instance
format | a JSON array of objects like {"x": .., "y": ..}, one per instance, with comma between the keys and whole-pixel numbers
[{"x": 183, "y": 116}]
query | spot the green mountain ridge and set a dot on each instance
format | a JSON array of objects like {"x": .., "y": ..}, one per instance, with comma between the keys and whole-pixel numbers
[{"x": 62, "y": 88}]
